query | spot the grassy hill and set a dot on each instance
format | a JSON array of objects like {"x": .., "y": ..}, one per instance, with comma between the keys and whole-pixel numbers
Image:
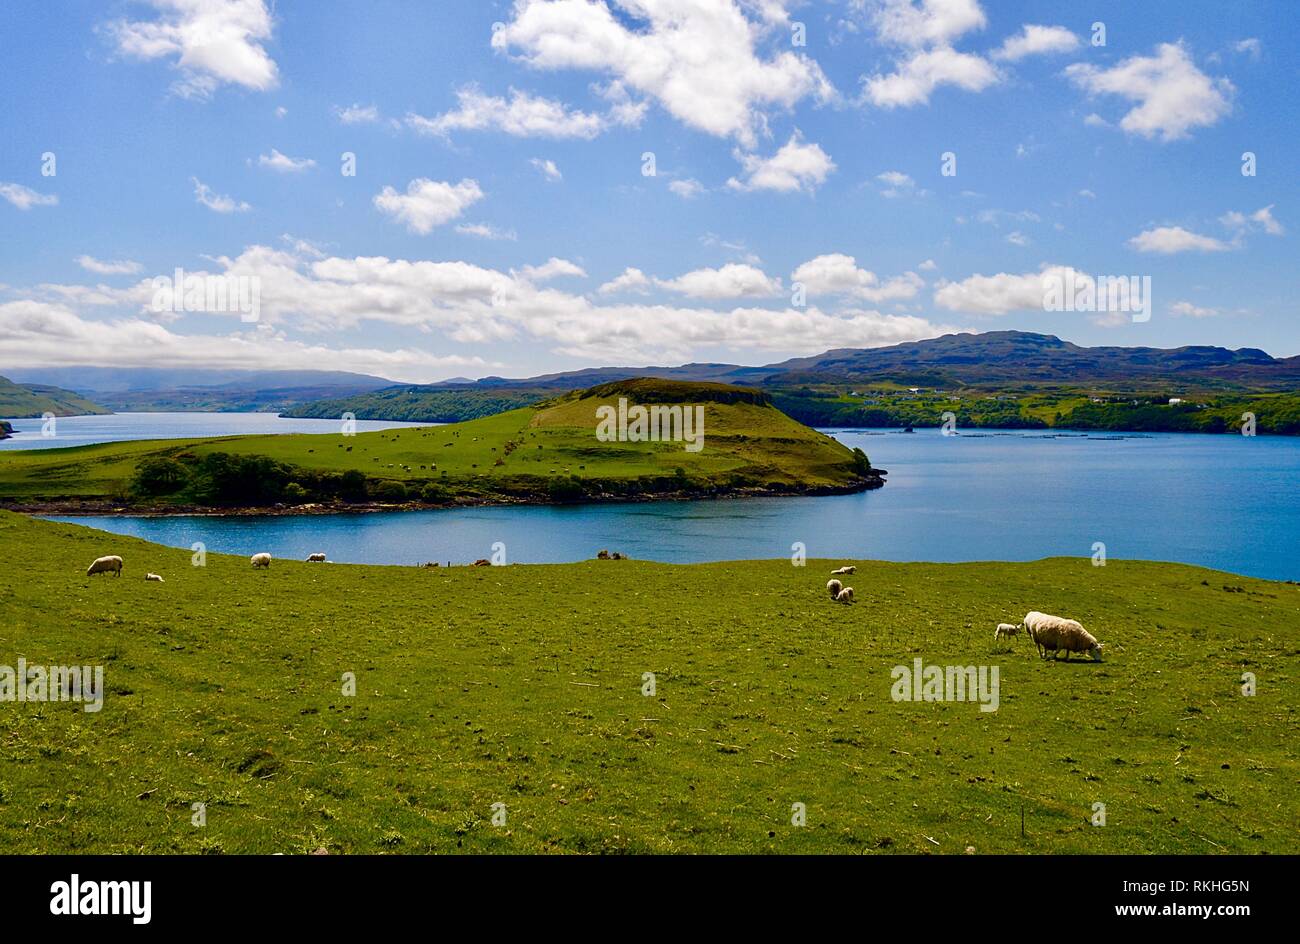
[
  {"x": 522, "y": 685},
  {"x": 21, "y": 401},
  {"x": 545, "y": 453}
]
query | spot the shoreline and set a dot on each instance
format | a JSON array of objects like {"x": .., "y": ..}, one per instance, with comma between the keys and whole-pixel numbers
[{"x": 98, "y": 508}]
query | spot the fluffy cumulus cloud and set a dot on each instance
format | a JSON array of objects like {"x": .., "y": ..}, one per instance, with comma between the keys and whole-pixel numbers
[
  {"x": 630, "y": 280},
  {"x": 796, "y": 166},
  {"x": 734, "y": 280},
  {"x": 1168, "y": 240},
  {"x": 210, "y": 42},
  {"x": 25, "y": 198},
  {"x": 838, "y": 274},
  {"x": 699, "y": 59},
  {"x": 1171, "y": 95},
  {"x": 428, "y": 203},
  {"x": 521, "y": 115},
  {"x": 357, "y": 114},
  {"x": 1034, "y": 40},
  {"x": 1002, "y": 293},
  {"x": 918, "y": 76},
  {"x": 925, "y": 31}
]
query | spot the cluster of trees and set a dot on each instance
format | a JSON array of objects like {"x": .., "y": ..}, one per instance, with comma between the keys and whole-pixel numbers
[
  {"x": 814, "y": 410},
  {"x": 220, "y": 478}
]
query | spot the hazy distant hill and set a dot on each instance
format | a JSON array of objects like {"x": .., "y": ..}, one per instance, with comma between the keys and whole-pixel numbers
[
  {"x": 21, "y": 401},
  {"x": 165, "y": 389}
]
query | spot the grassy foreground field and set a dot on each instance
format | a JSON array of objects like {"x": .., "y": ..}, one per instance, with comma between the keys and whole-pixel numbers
[
  {"x": 548, "y": 452},
  {"x": 522, "y": 685}
]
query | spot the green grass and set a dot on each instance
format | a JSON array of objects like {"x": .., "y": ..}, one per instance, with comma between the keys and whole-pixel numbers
[
  {"x": 745, "y": 444},
  {"x": 18, "y": 401},
  {"x": 522, "y": 685}
]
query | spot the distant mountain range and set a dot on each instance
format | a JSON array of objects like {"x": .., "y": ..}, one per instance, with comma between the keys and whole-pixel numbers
[{"x": 1020, "y": 359}]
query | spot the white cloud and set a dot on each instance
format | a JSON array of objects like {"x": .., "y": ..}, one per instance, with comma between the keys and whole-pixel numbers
[
  {"x": 697, "y": 59},
  {"x": 522, "y": 115},
  {"x": 1168, "y": 240},
  {"x": 929, "y": 265},
  {"x": 211, "y": 42},
  {"x": 1251, "y": 46},
  {"x": 547, "y": 169},
  {"x": 687, "y": 188},
  {"x": 1017, "y": 238},
  {"x": 487, "y": 231},
  {"x": 1172, "y": 95},
  {"x": 924, "y": 71},
  {"x": 838, "y": 274},
  {"x": 552, "y": 268},
  {"x": 1088, "y": 193},
  {"x": 283, "y": 163},
  {"x": 897, "y": 183},
  {"x": 631, "y": 280},
  {"x": 1260, "y": 219},
  {"x": 216, "y": 202},
  {"x": 1001, "y": 293},
  {"x": 428, "y": 203},
  {"x": 1034, "y": 40},
  {"x": 458, "y": 303},
  {"x": 930, "y": 22},
  {"x": 25, "y": 198},
  {"x": 281, "y": 111},
  {"x": 123, "y": 267},
  {"x": 35, "y": 333},
  {"x": 733, "y": 280},
  {"x": 796, "y": 166},
  {"x": 357, "y": 114},
  {"x": 1188, "y": 310}
]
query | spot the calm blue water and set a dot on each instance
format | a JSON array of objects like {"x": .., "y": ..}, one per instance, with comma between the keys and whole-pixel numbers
[
  {"x": 1227, "y": 502},
  {"x": 119, "y": 427}
]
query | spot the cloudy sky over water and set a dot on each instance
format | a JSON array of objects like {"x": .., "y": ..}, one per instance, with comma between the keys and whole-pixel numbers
[{"x": 550, "y": 184}]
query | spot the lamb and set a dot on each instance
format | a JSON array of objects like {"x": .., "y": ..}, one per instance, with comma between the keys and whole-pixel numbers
[
  {"x": 834, "y": 587},
  {"x": 1053, "y": 633},
  {"x": 104, "y": 565},
  {"x": 844, "y": 596},
  {"x": 316, "y": 558},
  {"x": 261, "y": 560},
  {"x": 845, "y": 570},
  {"x": 153, "y": 577},
  {"x": 1006, "y": 630}
]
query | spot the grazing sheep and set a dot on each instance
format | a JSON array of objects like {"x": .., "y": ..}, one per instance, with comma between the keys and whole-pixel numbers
[
  {"x": 833, "y": 586},
  {"x": 316, "y": 558},
  {"x": 602, "y": 554},
  {"x": 844, "y": 596},
  {"x": 261, "y": 560},
  {"x": 1054, "y": 633},
  {"x": 482, "y": 562},
  {"x": 153, "y": 577},
  {"x": 845, "y": 570},
  {"x": 104, "y": 565},
  {"x": 1005, "y": 630}
]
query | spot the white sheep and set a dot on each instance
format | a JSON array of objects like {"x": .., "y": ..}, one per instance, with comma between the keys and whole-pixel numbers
[
  {"x": 261, "y": 560},
  {"x": 1006, "y": 631},
  {"x": 1054, "y": 633},
  {"x": 316, "y": 558},
  {"x": 834, "y": 587},
  {"x": 154, "y": 577},
  {"x": 844, "y": 596},
  {"x": 104, "y": 565},
  {"x": 849, "y": 569}
]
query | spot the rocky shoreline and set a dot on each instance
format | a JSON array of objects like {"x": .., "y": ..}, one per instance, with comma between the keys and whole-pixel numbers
[{"x": 80, "y": 507}]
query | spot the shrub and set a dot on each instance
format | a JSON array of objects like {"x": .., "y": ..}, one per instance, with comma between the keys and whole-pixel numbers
[
  {"x": 160, "y": 476},
  {"x": 388, "y": 491}
]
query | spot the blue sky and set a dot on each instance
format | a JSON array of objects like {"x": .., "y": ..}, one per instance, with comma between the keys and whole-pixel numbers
[{"x": 500, "y": 220}]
